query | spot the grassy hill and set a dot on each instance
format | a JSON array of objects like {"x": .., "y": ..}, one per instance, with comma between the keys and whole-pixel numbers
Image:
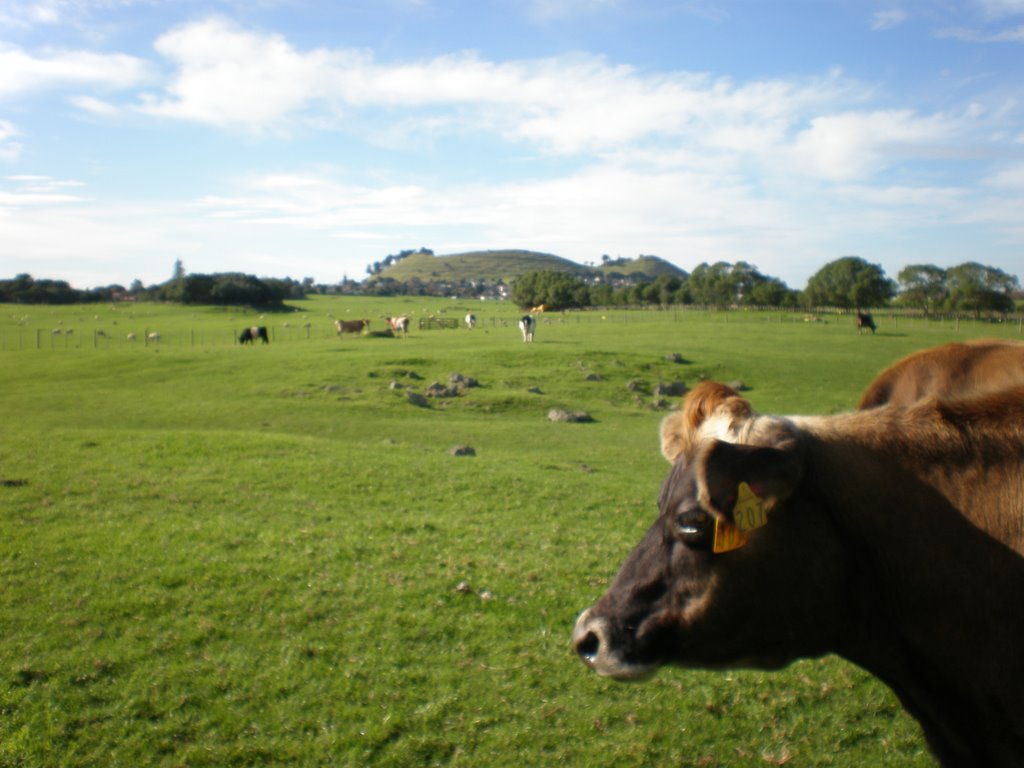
[{"x": 506, "y": 265}]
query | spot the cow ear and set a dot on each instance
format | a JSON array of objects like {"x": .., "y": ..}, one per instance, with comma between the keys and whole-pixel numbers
[
  {"x": 679, "y": 430},
  {"x": 772, "y": 473}
]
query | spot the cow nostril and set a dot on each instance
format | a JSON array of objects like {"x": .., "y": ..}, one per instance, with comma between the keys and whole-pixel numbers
[{"x": 588, "y": 645}]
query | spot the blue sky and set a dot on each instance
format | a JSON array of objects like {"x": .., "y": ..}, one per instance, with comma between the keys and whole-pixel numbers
[{"x": 312, "y": 138}]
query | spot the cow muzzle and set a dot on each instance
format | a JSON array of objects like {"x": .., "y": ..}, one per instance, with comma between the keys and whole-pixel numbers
[{"x": 591, "y": 639}]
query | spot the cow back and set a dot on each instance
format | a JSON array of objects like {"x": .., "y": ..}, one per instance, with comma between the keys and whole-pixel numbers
[{"x": 952, "y": 370}]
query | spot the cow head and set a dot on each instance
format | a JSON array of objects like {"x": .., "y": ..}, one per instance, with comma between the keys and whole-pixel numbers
[{"x": 741, "y": 568}]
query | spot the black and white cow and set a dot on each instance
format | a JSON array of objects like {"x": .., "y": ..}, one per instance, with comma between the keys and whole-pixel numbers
[
  {"x": 527, "y": 325},
  {"x": 249, "y": 335}
]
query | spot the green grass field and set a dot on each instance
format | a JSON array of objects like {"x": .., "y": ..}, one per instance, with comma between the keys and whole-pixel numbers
[{"x": 215, "y": 555}]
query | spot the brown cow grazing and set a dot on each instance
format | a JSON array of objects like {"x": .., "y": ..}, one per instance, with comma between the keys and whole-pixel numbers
[
  {"x": 351, "y": 326},
  {"x": 980, "y": 365},
  {"x": 892, "y": 537},
  {"x": 398, "y": 325}
]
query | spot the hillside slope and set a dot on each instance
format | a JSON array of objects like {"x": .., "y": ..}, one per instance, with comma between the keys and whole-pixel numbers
[{"x": 506, "y": 265}]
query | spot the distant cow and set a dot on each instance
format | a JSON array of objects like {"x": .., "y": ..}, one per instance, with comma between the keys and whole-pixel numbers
[
  {"x": 865, "y": 320},
  {"x": 154, "y": 336},
  {"x": 249, "y": 335},
  {"x": 351, "y": 326},
  {"x": 893, "y": 537},
  {"x": 955, "y": 369},
  {"x": 470, "y": 321},
  {"x": 398, "y": 325},
  {"x": 131, "y": 337},
  {"x": 527, "y": 325}
]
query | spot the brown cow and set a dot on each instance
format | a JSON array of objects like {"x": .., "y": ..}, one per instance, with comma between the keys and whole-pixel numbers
[
  {"x": 979, "y": 365},
  {"x": 892, "y": 537},
  {"x": 351, "y": 326}
]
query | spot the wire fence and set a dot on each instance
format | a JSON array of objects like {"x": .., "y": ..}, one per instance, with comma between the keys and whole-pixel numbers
[{"x": 888, "y": 320}]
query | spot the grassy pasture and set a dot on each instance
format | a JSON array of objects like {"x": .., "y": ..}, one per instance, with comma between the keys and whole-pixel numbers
[{"x": 214, "y": 555}]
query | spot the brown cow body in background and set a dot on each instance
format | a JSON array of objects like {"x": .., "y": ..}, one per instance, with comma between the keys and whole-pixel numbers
[
  {"x": 891, "y": 536},
  {"x": 979, "y": 365},
  {"x": 351, "y": 326}
]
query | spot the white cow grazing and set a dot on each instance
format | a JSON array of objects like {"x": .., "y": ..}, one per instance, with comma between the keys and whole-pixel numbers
[
  {"x": 470, "y": 320},
  {"x": 527, "y": 325}
]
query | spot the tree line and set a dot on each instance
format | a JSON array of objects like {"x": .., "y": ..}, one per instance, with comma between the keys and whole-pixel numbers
[
  {"x": 231, "y": 288},
  {"x": 846, "y": 283}
]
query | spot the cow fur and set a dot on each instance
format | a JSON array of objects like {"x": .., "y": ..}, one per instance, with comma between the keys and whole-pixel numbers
[
  {"x": 895, "y": 538},
  {"x": 976, "y": 366}
]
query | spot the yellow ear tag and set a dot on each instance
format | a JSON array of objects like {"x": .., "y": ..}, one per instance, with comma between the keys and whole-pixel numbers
[
  {"x": 727, "y": 537},
  {"x": 749, "y": 510},
  {"x": 748, "y": 513}
]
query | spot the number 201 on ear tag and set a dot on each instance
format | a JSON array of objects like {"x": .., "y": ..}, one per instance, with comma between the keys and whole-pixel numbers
[
  {"x": 749, "y": 510},
  {"x": 748, "y": 513}
]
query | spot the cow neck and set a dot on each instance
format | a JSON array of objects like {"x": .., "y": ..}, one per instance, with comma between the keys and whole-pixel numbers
[{"x": 938, "y": 604}]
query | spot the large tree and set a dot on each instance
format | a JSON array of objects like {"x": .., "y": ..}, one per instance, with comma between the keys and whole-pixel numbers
[
  {"x": 976, "y": 288},
  {"x": 922, "y": 286},
  {"x": 849, "y": 283},
  {"x": 558, "y": 290}
]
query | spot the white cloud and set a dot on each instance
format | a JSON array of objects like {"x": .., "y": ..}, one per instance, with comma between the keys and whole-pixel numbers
[
  {"x": 856, "y": 145},
  {"x": 1008, "y": 178},
  {"x": 10, "y": 148},
  {"x": 25, "y": 191},
  {"x": 544, "y": 10},
  {"x": 231, "y": 77},
  {"x": 1000, "y": 8},
  {"x": 21, "y": 72},
  {"x": 888, "y": 19}
]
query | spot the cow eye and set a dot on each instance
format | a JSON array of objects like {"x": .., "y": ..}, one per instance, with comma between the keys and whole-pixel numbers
[{"x": 693, "y": 526}]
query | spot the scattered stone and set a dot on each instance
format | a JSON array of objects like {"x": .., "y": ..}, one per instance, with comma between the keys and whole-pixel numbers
[
  {"x": 675, "y": 357},
  {"x": 396, "y": 385},
  {"x": 333, "y": 388},
  {"x": 415, "y": 398},
  {"x": 671, "y": 389},
  {"x": 562, "y": 415},
  {"x": 463, "y": 588},
  {"x": 461, "y": 450},
  {"x": 594, "y": 377},
  {"x": 634, "y": 385},
  {"x": 535, "y": 391},
  {"x": 738, "y": 385}
]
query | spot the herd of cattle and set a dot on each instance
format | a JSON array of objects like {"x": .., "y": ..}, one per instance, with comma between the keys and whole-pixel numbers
[
  {"x": 892, "y": 535},
  {"x": 399, "y": 326}
]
